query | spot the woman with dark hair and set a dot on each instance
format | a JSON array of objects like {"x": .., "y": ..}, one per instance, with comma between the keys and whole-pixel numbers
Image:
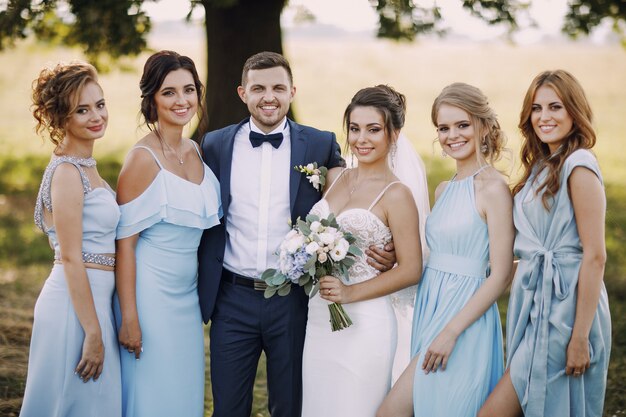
[
  {"x": 167, "y": 197},
  {"x": 73, "y": 367},
  {"x": 456, "y": 343},
  {"x": 348, "y": 373},
  {"x": 558, "y": 320}
]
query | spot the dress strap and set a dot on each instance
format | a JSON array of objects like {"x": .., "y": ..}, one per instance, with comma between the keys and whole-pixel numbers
[
  {"x": 44, "y": 197},
  {"x": 330, "y": 187},
  {"x": 195, "y": 146},
  {"x": 479, "y": 170},
  {"x": 377, "y": 199},
  {"x": 152, "y": 153}
]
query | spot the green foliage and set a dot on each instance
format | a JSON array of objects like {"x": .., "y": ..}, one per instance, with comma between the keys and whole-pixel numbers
[
  {"x": 584, "y": 15},
  {"x": 112, "y": 28}
]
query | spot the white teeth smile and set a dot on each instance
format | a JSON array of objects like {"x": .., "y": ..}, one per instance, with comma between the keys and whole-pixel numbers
[
  {"x": 456, "y": 145},
  {"x": 546, "y": 128},
  {"x": 181, "y": 111},
  {"x": 269, "y": 107}
]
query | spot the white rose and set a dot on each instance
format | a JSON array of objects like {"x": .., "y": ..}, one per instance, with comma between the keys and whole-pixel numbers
[
  {"x": 340, "y": 250},
  {"x": 312, "y": 247},
  {"x": 295, "y": 243},
  {"x": 327, "y": 239},
  {"x": 310, "y": 167},
  {"x": 315, "y": 180},
  {"x": 322, "y": 257},
  {"x": 315, "y": 226}
]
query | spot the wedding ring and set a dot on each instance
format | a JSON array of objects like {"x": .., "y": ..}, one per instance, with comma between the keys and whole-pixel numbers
[{"x": 577, "y": 373}]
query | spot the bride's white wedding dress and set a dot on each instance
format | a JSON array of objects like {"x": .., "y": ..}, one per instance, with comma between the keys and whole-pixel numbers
[{"x": 348, "y": 372}]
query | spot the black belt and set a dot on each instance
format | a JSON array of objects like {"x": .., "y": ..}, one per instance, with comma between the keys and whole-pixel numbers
[{"x": 237, "y": 279}]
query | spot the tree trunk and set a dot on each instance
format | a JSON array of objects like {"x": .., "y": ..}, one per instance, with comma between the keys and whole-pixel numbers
[{"x": 233, "y": 34}]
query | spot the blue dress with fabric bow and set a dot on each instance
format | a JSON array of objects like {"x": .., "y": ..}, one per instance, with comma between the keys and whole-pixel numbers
[
  {"x": 542, "y": 305},
  {"x": 457, "y": 266}
]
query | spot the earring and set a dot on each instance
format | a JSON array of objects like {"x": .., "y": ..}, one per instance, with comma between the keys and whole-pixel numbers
[
  {"x": 351, "y": 159},
  {"x": 392, "y": 155},
  {"x": 483, "y": 147},
  {"x": 443, "y": 153}
]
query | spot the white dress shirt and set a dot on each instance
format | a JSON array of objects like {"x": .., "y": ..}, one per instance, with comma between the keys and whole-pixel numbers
[{"x": 259, "y": 211}]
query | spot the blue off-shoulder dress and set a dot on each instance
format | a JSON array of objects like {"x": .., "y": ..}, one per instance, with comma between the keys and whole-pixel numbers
[
  {"x": 542, "y": 305},
  {"x": 459, "y": 256},
  {"x": 170, "y": 216}
]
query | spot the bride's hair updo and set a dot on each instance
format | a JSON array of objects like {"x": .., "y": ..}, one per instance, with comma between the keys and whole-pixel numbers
[
  {"x": 389, "y": 103},
  {"x": 490, "y": 138},
  {"x": 56, "y": 92}
]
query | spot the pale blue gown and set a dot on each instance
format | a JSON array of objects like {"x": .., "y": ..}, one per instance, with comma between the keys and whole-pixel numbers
[
  {"x": 170, "y": 216},
  {"x": 52, "y": 387},
  {"x": 542, "y": 306},
  {"x": 459, "y": 256}
]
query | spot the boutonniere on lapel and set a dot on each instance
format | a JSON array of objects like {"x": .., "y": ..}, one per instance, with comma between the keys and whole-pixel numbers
[{"x": 316, "y": 175}]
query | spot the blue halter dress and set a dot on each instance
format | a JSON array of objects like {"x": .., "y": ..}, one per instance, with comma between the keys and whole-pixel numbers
[{"x": 459, "y": 255}]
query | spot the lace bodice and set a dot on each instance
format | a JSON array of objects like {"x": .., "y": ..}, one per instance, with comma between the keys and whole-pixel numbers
[{"x": 369, "y": 231}]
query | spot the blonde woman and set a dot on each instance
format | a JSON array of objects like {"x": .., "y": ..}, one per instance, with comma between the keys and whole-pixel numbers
[
  {"x": 73, "y": 367},
  {"x": 457, "y": 337}
]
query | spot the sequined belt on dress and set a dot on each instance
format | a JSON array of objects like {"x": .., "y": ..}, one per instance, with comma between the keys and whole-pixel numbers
[
  {"x": 92, "y": 258},
  {"x": 459, "y": 265}
]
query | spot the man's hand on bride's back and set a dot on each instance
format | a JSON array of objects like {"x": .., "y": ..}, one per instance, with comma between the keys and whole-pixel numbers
[{"x": 382, "y": 259}]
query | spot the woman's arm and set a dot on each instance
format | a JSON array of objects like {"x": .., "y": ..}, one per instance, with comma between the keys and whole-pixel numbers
[
  {"x": 498, "y": 211},
  {"x": 588, "y": 200},
  {"x": 403, "y": 222},
  {"x": 137, "y": 174},
  {"x": 67, "y": 208}
]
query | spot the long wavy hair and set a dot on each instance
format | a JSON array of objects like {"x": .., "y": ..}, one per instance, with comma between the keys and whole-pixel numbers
[
  {"x": 56, "y": 92},
  {"x": 490, "y": 140},
  {"x": 535, "y": 154}
]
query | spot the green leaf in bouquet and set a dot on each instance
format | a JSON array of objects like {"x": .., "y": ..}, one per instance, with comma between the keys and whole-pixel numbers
[
  {"x": 348, "y": 262},
  {"x": 310, "y": 218},
  {"x": 323, "y": 171},
  {"x": 310, "y": 263},
  {"x": 311, "y": 289},
  {"x": 312, "y": 271},
  {"x": 284, "y": 289},
  {"x": 268, "y": 273},
  {"x": 304, "y": 227},
  {"x": 325, "y": 222},
  {"x": 304, "y": 279},
  {"x": 277, "y": 279},
  {"x": 270, "y": 291},
  {"x": 322, "y": 270},
  {"x": 354, "y": 250}
]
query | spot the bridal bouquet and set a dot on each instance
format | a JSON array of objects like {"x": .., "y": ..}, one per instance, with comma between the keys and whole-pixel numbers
[{"x": 312, "y": 249}]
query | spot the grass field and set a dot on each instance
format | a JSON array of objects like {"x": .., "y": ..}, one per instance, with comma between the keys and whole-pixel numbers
[{"x": 326, "y": 75}]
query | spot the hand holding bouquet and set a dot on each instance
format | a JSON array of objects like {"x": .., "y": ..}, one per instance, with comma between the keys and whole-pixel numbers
[{"x": 312, "y": 249}]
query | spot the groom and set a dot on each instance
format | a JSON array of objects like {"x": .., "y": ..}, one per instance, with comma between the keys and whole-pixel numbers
[{"x": 261, "y": 191}]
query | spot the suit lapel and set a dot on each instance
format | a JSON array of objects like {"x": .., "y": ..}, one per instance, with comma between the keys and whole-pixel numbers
[
  {"x": 298, "y": 153},
  {"x": 226, "y": 158}
]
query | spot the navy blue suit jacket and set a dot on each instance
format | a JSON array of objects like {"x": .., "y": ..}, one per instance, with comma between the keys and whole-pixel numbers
[{"x": 307, "y": 145}]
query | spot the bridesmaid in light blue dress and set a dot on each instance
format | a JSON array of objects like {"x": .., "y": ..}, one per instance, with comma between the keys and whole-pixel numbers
[
  {"x": 73, "y": 366},
  {"x": 558, "y": 321},
  {"x": 456, "y": 342},
  {"x": 167, "y": 196}
]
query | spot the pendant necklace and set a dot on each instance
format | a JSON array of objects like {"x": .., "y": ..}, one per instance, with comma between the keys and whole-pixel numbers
[{"x": 179, "y": 158}]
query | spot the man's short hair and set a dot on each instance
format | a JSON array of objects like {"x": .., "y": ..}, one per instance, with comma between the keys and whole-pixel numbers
[{"x": 264, "y": 60}]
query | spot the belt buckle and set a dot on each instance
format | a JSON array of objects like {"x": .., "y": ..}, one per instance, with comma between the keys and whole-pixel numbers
[{"x": 259, "y": 285}]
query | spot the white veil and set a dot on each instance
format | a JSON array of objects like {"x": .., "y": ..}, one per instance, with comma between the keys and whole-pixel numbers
[{"x": 409, "y": 168}]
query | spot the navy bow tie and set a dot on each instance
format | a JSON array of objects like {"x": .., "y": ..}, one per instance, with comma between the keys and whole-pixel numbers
[{"x": 257, "y": 139}]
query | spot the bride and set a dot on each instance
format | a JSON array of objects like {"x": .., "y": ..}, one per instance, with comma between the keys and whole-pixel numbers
[{"x": 349, "y": 372}]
